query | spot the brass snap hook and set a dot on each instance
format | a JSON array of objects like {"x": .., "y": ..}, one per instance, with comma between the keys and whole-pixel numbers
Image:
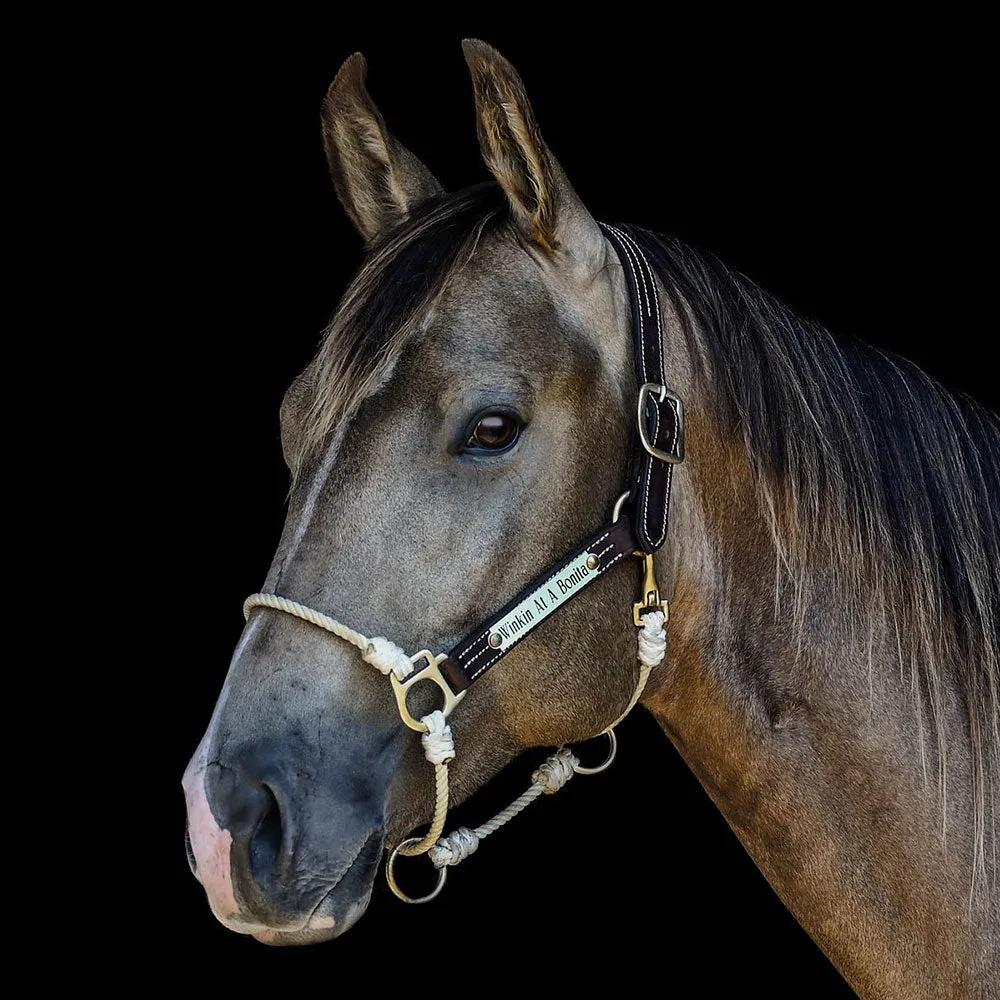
[{"x": 651, "y": 600}]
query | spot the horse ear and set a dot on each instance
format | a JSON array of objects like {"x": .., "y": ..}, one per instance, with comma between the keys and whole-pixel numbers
[
  {"x": 544, "y": 204},
  {"x": 378, "y": 180}
]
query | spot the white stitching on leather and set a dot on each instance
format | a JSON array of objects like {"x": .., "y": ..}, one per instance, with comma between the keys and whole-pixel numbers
[
  {"x": 636, "y": 268},
  {"x": 544, "y": 583},
  {"x": 620, "y": 555},
  {"x": 485, "y": 648},
  {"x": 631, "y": 253},
  {"x": 667, "y": 472},
  {"x": 472, "y": 645},
  {"x": 636, "y": 250},
  {"x": 639, "y": 272},
  {"x": 634, "y": 253},
  {"x": 524, "y": 635}
]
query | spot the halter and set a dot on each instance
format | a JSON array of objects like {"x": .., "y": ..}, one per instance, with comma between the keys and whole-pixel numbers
[{"x": 638, "y": 527}]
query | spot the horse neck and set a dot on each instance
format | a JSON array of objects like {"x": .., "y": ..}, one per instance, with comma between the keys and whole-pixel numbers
[{"x": 805, "y": 735}]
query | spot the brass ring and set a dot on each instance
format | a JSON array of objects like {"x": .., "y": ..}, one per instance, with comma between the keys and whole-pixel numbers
[
  {"x": 390, "y": 876},
  {"x": 610, "y": 758}
]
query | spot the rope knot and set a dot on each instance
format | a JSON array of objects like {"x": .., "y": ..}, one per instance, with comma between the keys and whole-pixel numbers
[
  {"x": 456, "y": 847},
  {"x": 387, "y": 657},
  {"x": 555, "y": 771},
  {"x": 439, "y": 747},
  {"x": 652, "y": 639}
]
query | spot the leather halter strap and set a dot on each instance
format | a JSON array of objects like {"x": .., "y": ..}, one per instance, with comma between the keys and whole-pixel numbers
[
  {"x": 660, "y": 413},
  {"x": 640, "y": 531},
  {"x": 486, "y": 645}
]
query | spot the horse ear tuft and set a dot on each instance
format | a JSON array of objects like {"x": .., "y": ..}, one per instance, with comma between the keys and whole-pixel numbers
[
  {"x": 511, "y": 142},
  {"x": 378, "y": 180},
  {"x": 542, "y": 201}
]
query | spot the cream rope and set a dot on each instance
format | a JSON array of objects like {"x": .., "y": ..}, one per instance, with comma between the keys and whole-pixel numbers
[
  {"x": 438, "y": 749},
  {"x": 554, "y": 772},
  {"x": 380, "y": 652},
  {"x": 306, "y": 614},
  {"x": 652, "y": 643}
]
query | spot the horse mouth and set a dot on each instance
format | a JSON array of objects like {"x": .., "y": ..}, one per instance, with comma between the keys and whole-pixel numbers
[{"x": 340, "y": 907}]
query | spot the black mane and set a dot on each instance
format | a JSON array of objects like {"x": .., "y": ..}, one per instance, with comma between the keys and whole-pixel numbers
[{"x": 861, "y": 454}]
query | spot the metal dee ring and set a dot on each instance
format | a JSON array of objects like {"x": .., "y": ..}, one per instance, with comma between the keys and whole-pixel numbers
[
  {"x": 612, "y": 752},
  {"x": 432, "y": 672},
  {"x": 390, "y": 875},
  {"x": 619, "y": 503}
]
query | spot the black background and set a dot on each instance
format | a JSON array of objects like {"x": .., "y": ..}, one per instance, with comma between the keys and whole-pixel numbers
[{"x": 839, "y": 163}]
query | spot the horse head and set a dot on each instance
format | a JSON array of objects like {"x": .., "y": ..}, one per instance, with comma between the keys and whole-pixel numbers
[{"x": 467, "y": 412}]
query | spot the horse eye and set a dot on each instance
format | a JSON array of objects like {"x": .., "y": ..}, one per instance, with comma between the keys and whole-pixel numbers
[{"x": 494, "y": 432}]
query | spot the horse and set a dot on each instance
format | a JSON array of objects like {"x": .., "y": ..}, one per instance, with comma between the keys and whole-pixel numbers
[{"x": 832, "y": 568}]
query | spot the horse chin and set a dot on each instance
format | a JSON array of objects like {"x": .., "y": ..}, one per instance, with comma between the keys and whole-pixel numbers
[
  {"x": 321, "y": 926},
  {"x": 337, "y": 911}
]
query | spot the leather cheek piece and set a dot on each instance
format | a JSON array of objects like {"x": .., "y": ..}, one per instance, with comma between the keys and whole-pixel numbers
[
  {"x": 476, "y": 654},
  {"x": 651, "y": 500}
]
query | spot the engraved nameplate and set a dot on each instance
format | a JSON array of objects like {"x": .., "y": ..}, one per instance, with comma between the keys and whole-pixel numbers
[{"x": 540, "y": 603}]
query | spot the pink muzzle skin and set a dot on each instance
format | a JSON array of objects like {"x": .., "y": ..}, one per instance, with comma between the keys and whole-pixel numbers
[{"x": 211, "y": 846}]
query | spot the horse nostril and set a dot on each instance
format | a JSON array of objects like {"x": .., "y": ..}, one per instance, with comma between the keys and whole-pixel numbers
[
  {"x": 265, "y": 844},
  {"x": 189, "y": 850}
]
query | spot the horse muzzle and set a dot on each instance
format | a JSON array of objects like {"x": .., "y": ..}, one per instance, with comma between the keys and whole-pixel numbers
[{"x": 258, "y": 840}]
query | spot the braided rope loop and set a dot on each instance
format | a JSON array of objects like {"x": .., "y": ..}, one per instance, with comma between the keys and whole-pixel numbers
[
  {"x": 556, "y": 770},
  {"x": 307, "y": 615}
]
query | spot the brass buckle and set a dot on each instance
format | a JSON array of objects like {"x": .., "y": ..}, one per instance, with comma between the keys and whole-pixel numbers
[
  {"x": 650, "y": 592},
  {"x": 662, "y": 392},
  {"x": 432, "y": 672}
]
